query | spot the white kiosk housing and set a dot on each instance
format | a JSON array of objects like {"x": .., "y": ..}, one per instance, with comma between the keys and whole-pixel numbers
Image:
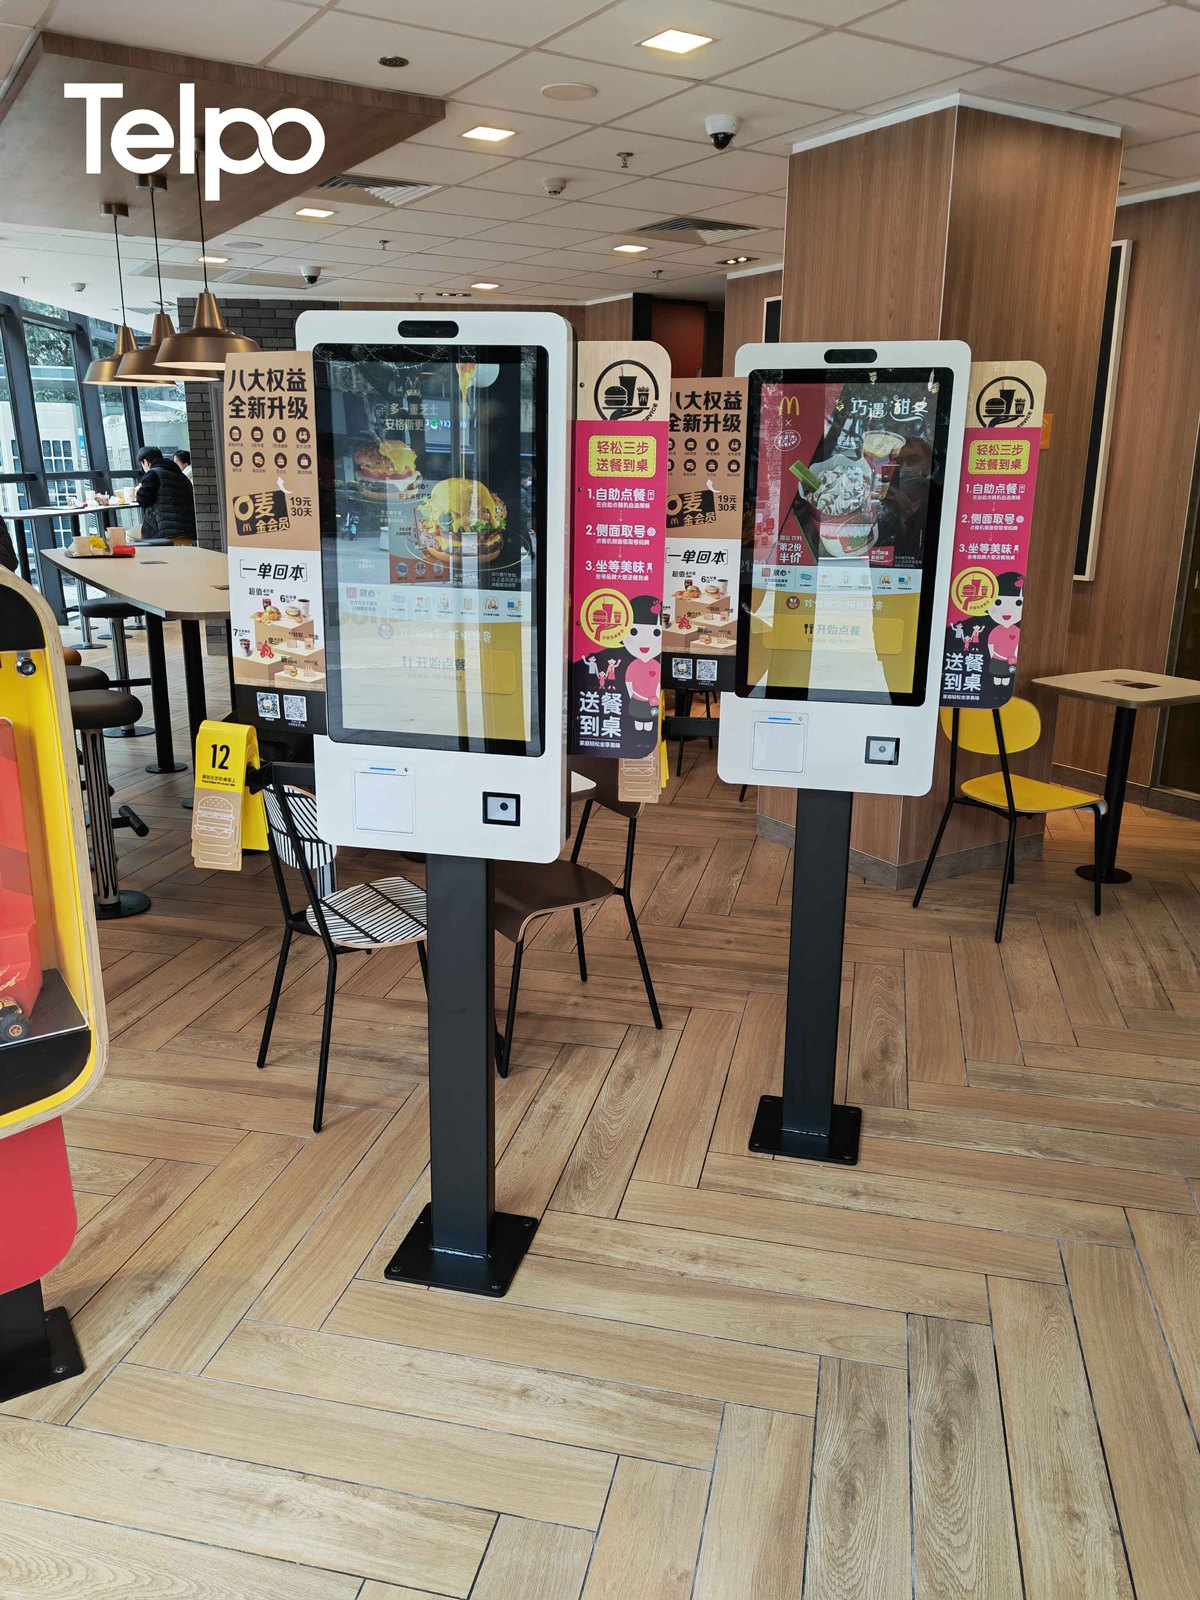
[
  {"x": 443, "y": 444},
  {"x": 851, "y": 494}
]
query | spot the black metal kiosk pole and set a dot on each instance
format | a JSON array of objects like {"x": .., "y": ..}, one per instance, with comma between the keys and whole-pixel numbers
[
  {"x": 37, "y": 1347},
  {"x": 460, "y": 1241},
  {"x": 803, "y": 1121}
]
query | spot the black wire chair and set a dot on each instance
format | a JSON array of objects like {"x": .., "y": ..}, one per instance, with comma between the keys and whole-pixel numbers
[{"x": 367, "y": 916}]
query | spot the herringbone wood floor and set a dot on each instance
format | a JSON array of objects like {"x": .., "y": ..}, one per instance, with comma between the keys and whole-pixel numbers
[{"x": 968, "y": 1367}]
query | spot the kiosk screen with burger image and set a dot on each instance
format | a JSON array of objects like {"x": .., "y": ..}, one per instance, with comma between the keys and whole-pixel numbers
[
  {"x": 433, "y": 467},
  {"x": 845, "y": 482}
]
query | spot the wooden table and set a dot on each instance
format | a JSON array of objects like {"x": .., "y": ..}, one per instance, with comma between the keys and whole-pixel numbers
[
  {"x": 1127, "y": 690},
  {"x": 168, "y": 583},
  {"x": 35, "y": 514}
]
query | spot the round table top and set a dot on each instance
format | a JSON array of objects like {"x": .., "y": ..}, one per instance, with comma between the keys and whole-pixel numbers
[{"x": 1126, "y": 686}]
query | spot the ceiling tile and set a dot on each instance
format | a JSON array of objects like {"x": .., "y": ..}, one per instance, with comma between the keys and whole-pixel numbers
[
  {"x": 338, "y": 45},
  {"x": 474, "y": 248},
  {"x": 596, "y": 217},
  {"x": 28, "y": 13},
  {"x": 615, "y": 35},
  {"x": 425, "y": 163},
  {"x": 844, "y": 71},
  {"x": 599, "y": 148},
  {"x": 402, "y": 240},
  {"x": 405, "y": 218},
  {"x": 1142, "y": 123},
  {"x": 1173, "y": 158},
  {"x": 518, "y": 85},
  {"x": 464, "y": 202},
  {"x": 1001, "y": 83},
  {"x": 537, "y": 232},
  {"x": 1125, "y": 57},
  {"x": 665, "y": 197},
  {"x": 1132, "y": 179},
  {"x": 530, "y": 133},
  {"x": 682, "y": 116},
  {"x": 1183, "y": 95},
  {"x": 529, "y": 177},
  {"x": 984, "y": 31},
  {"x": 756, "y": 211},
  {"x": 514, "y": 22},
  {"x": 244, "y": 32},
  {"x": 288, "y": 228},
  {"x": 736, "y": 169},
  {"x": 12, "y": 42},
  {"x": 829, "y": 13}
]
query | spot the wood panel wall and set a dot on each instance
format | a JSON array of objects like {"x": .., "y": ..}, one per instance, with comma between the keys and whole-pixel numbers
[
  {"x": 744, "y": 299},
  {"x": 991, "y": 229},
  {"x": 1123, "y": 617},
  {"x": 608, "y": 319}
]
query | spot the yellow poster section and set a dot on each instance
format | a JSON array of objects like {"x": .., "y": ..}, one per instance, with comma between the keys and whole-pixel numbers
[{"x": 226, "y": 817}]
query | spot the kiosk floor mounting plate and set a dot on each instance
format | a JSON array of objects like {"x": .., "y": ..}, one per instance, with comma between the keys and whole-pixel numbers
[{"x": 416, "y": 1261}]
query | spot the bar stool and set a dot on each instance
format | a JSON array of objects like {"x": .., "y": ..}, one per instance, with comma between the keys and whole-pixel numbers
[
  {"x": 118, "y": 612},
  {"x": 80, "y": 678},
  {"x": 93, "y": 711}
]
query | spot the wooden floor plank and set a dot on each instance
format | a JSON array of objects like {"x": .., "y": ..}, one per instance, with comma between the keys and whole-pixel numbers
[
  {"x": 677, "y": 1139},
  {"x": 1037, "y": 1005},
  {"x": 1086, "y": 992},
  {"x": 755, "y": 1070},
  {"x": 288, "y": 1516},
  {"x": 935, "y": 1050},
  {"x": 754, "y": 1533},
  {"x": 989, "y": 1029},
  {"x": 531, "y": 1561},
  {"x": 650, "y": 1535},
  {"x": 1169, "y": 1247},
  {"x": 597, "y": 1346},
  {"x": 608, "y": 1416},
  {"x": 860, "y": 1535},
  {"x": 1148, "y": 1441},
  {"x": 532, "y": 1164},
  {"x": 877, "y": 1061},
  {"x": 1069, "y": 1536},
  {"x": 595, "y": 1176},
  {"x": 964, "y": 1540}
]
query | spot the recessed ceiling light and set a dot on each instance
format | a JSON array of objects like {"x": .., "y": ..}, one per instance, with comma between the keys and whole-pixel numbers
[
  {"x": 317, "y": 213},
  {"x": 569, "y": 91},
  {"x": 489, "y": 135},
  {"x": 629, "y": 249},
  {"x": 736, "y": 261},
  {"x": 453, "y": 294},
  {"x": 485, "y": 286},
  {"x": 393, "y": 61},
  {"x": 213, "y": 261},
  {"x": 676, "y": 42}
]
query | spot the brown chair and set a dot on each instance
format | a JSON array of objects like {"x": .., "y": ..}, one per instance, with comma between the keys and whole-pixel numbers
[{"x": 527, "y": 891}]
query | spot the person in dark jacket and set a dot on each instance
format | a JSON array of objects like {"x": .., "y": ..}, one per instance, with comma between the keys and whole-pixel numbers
[{"x": 165, "y": 496}]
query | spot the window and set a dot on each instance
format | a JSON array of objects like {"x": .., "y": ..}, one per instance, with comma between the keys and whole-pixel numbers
[
  {"x": 56, "y": 398},
  {"x": 163, "y": 411}
]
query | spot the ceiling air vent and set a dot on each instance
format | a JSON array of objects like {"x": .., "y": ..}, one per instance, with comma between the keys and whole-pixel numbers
[
  {"x": 388, "y": 191},
  {"x": 696, "y": 230}
]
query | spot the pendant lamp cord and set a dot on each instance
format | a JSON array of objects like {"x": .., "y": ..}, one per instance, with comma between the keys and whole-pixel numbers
[
  {"x": 157, "y": 259},
  {"x": 200, "y": 214},
  {"x": 120, "y": 273}
]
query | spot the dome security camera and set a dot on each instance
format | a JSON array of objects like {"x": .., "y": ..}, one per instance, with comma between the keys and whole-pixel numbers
[
  {"x": 79, "y": 287},
  {"x": 554, "y": 185},
  {"x": 310, "y": 275},
  {"x": 721, "y": 128}
]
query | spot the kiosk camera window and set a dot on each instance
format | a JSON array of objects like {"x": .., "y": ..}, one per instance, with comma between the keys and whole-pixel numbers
[
  {"x": 843, "y": 505},
  {"x": 433, "y": 503}
]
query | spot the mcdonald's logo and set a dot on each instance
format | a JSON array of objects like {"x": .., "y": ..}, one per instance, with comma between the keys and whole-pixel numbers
[{"x": 789, "y": 406}]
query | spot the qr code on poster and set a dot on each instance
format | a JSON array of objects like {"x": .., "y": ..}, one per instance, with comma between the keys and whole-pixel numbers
[
  {"x": 295, "y": 708},
  {"x": 706, "y": 672},
  {"x": 268, "y": 707},
  {"x": 681, "y": 667}
]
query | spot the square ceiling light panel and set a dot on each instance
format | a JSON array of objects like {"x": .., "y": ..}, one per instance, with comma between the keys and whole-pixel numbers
[
  {"x": 337, "y": 44},
  {"x": 616, "y": 37}
]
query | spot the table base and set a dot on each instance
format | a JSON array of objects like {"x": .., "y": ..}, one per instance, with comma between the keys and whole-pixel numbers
[
  {"x": 175, "y": 766},
  {"x": 1113, "y": 875},
  {"x": 129, "y": 903},
  {"x": 137, "y": 731}
]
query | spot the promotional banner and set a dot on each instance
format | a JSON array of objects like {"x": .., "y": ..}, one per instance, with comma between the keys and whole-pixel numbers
[
  {"x": 273, "y": 534},
  {"x": 704, "y": 528},
  {"x": 991, "y": 546},
  {"x": 619, "y": 530}
]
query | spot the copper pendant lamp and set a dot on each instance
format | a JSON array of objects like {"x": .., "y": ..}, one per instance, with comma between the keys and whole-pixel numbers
[
  {"x": 104, "y": 368},
  {"x": 198, "y": 356},
  {"x": 138, "y": 368}
]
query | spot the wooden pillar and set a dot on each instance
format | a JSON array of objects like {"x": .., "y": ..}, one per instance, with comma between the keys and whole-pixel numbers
[{"x": 964, "y": 223}]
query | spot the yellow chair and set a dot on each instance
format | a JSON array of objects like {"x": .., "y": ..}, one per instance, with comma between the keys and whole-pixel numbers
[{"x": 1015, "y": 726}]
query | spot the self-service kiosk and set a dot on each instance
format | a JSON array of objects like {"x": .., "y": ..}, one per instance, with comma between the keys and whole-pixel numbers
[
  {"x": 851, "y": 487},
  {"x": 53, "y": 1039},
  {"x": 443, "y": 448}
]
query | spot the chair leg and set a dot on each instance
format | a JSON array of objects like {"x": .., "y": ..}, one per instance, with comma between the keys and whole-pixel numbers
[
  {"x": 511, "y": 1021},
  {"x": 1099, "y": 852},
  {"x": 579, "y": 950},
  {"x": 1006, "y": 877},
  {"x": 326, "y": 1033},
  {"x": 276, "y": 990},
  {"x": 642, "y": 962},
  {"x": 937, "y": 845},
  {"x": 424, "y": 960},
  {"x": 742, "y": 793}
]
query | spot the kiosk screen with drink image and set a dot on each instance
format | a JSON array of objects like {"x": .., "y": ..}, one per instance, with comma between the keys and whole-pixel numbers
[
  {"x": 851, "y": 476},
  {"x": 442, "y": 490}
]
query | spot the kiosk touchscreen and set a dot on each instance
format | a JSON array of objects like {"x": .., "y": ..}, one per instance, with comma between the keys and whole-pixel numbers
[
  {"x": 442, "y": 445},
  {"x": 850, "y": 495}
]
